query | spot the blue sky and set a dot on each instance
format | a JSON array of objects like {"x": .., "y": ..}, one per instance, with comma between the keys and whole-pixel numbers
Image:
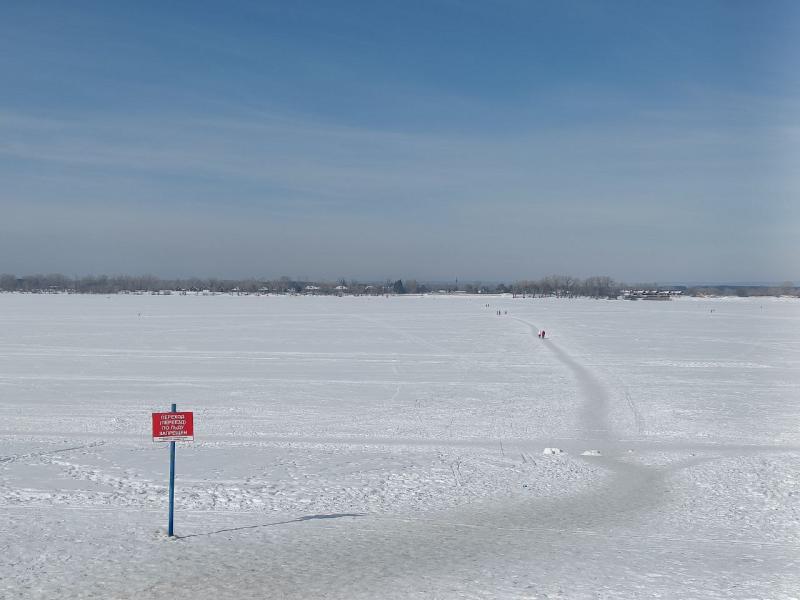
[{"x": 480, "y": 140}]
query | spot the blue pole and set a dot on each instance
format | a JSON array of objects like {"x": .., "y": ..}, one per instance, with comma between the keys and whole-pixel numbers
[{"x": 171, "y": 480}]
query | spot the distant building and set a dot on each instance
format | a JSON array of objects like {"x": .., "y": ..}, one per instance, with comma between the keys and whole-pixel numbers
[{"x": 650, "y": 294}]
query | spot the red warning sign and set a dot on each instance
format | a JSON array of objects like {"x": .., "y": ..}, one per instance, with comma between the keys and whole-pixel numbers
[{"x": 173, "y": 427}]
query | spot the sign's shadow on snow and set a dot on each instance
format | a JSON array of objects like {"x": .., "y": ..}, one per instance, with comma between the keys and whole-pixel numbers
[{"x": 298, "y": 520}]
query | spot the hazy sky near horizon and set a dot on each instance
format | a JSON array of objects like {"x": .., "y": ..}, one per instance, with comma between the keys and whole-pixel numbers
[{"x": 645, "y": 140}]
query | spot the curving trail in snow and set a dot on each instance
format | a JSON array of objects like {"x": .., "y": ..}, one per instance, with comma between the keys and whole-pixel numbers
[
  {"x": 594, "y": 410},
  {"x": 632, "y": 487}
]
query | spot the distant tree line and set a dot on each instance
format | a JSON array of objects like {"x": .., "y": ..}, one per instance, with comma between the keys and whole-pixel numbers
[
  {"x": 562, "y": 286},
  {"x": 113, "y": 284},
  {"x": 787, "y": 288},
  {"x": 569, "y": 287}
]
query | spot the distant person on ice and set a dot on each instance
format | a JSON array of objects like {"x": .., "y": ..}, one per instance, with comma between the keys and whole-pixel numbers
[{"x": 541, "y": 334}]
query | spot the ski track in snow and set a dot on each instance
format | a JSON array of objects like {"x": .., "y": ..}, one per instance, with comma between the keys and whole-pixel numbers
[{"x": 410, "y": 510}]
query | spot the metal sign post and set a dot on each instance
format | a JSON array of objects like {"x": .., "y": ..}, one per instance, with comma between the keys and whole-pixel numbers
[
  {"x": 173, "y": 427},
  {"x": 171, "y": 480}
]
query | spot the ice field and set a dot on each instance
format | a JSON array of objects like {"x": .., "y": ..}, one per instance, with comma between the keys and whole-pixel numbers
[{"x": 394, "y": 447}]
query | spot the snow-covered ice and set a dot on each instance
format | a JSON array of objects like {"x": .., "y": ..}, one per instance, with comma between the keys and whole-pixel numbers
[{"x": 398, "y": 447}]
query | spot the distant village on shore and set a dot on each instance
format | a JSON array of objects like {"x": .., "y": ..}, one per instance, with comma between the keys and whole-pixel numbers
[{"x": 562, "y": 286}]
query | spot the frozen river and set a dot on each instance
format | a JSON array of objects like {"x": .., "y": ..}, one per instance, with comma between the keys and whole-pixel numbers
[{"x": 393, "y": 447}]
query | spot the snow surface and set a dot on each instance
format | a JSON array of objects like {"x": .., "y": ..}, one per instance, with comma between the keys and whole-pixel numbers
[{"x": 397, "y": 447}]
